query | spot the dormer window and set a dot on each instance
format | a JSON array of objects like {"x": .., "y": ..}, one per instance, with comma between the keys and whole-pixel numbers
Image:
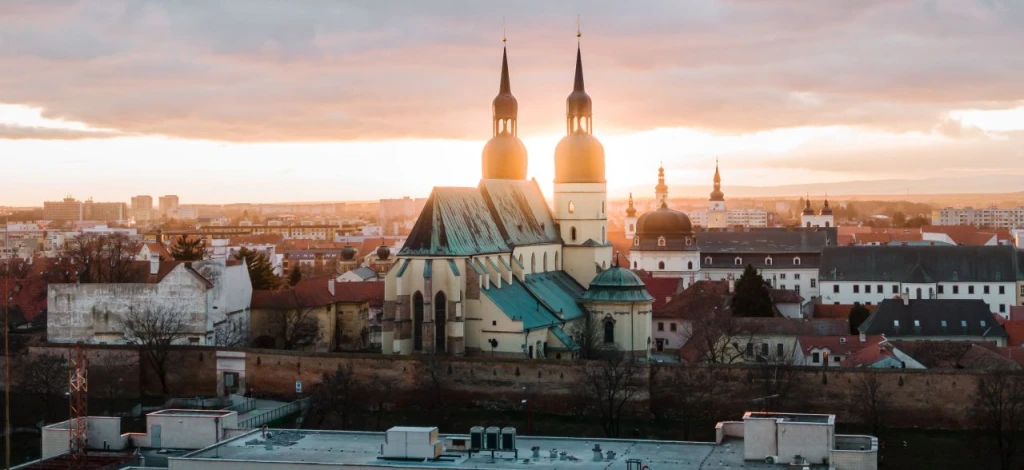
[
  {"x": 917, "y": 323},
  {"x": 768, "y": 261},
  {"x": 963, "y": 323},
  {"x": 707, "y": 260},
  {"x": 738, "y": 261},
  {"x": 636, "y": 241},
  {"x": 895, "y": 323},
  {"x": 661, "y": 241},
  {"x": 842, "y": 340},
  {"x": 796, "y": 261},
  {"x": 983, "y": 323},
  {"x": 689, "y": 241}
]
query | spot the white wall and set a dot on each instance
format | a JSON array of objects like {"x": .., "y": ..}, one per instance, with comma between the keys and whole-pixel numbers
[
  {"x": 677, "y": 263},
  {"x": 994, "y": 299},
  {"x": 181, "y": 430}
]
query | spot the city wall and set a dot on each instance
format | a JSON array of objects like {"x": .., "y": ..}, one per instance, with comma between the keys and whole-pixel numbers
[{"x": 914, "y": 398}]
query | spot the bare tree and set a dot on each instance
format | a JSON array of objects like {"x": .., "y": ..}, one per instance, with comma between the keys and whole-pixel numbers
[
  {"x": 299, "y": 327},
  {"x": 382, "y": 389},
  {"x": 717, "y": 337},
  {"x": 610, "y": 384},
  {"x": 46, "y": 377},
  {"x": 336, "y": 395},
  {"x": 587, "y": 335},
  {"x": 232, "y": 332},
  {"x": 771, "y": 384},
  {"x": 16, "y": 268},
  {"x": 103, "y": 258},
  {"x": 155, "y": 330},
  {"x": 435, "y": 383},
  {"x": 999, "y": 409},
  {"x": 870, "y": 401},
  {"x": 107, "y": 376}
]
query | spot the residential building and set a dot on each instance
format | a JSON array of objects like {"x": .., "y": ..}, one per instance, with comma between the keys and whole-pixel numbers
[
  {"x": 871, "y": 274},
  {"x": 104, "y": 211},
  {"x": 777, "y": 339},
  {"x": 212, "y": 297},
  {"x": 990, "y": 217},
  {"x": 397, "y": 216},
  {"x": 142, "y": 208},
  {"x": 673, "y": 321},
  {"x": 831, "y": 351},
  {"x": 935, "y": 319},
  {"x": 955, "y": 355},
  {"x": 170, "y": 203},
  {"x": 288, "y": 232},
  {"x": 494, "y": 269},
  {"x": 67, "y": 210}
]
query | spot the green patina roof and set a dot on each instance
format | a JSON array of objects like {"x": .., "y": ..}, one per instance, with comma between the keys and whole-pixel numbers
[
  {"x": 537, "y": 302},
  {"x": 617, "y": 284},
  {"x": 401, "y": 270},
  {"x": 455, "y": 268},
  {"x": 454, "y": 222},
  {"x": 558, "y": 291},
  {"x": 428, "y": 269},
  {"x": 565, "y": 338},
  {"x": 518, "y": 304}
]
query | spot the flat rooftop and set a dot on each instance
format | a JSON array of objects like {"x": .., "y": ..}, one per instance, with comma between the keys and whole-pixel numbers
[
  {"x": 363, "y": 448},
  {"x": 793, "y": 417},
  {"x": 177, "y": 412}
]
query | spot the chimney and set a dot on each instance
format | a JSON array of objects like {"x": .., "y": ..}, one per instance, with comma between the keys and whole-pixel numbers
[
  {"x": 154, "y": 264},
  {"x": 330, "y": 286}
]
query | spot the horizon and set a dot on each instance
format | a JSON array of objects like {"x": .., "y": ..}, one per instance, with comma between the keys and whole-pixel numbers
[{"x": 326, "y": 101}]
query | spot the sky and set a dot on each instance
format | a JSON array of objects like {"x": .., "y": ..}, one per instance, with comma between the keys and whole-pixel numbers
[{"x": 264, "y": 101}]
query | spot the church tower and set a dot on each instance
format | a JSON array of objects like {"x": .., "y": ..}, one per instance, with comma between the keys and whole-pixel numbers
[
  {"x": 630, "y": 218},
  {"x": 661, "y": 190},
  {"x": 717, "y": 216},
  {"x": 504, "y": 156},
  {"x": 580, "y": 189}
]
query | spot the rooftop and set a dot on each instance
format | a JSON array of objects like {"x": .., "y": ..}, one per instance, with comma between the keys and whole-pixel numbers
[{"x": 363, "y": 448}]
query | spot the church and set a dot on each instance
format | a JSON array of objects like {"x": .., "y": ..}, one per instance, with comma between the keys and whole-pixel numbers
[{"x": 493, "y": 270}]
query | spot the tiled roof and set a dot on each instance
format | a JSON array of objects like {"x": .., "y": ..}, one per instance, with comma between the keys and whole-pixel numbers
[
  {"x": 841, "y": 344},
  {"x": 933, "y": 317},
  {"x": 1016, "y": 313},
  {"x": 455, "y": 222},
  {"x": 160, "y": 249},
  {"x": 1015, "y": 332},
  {"x": 701, "y": 297},
  {"x": 1013, "y": 353},
  {"x": 27, "y": 296},
  {"x": 956, "y": 355},
  {"x": 791, "y": 327},
  {"x": 868, "y": 355},
  {"x": 962, "y": 234},
  {"x": 896, "y": 263},
  {"x": 766, "y": 241},
  {"x": 662, "y": 288},
  {"x": 789, "y": 296},
  {"x": 519, "y": 209},
  {"x": 841, "y": 311}
]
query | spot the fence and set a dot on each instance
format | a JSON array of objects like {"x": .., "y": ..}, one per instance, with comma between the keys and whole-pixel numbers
[
  {"x": 247, "y": 404},
  {"x": 274, "y": 414}
]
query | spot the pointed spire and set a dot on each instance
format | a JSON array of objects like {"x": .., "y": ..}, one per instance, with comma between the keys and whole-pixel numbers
[
  {"x": 630, "y": 211},
  {"x": 718, "y": 178},
  {"x": 505, "y": 87}
]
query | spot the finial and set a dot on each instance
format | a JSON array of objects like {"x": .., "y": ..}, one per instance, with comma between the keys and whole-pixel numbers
[
  {"x": 504, "y": 35},
  {"x": 578, "y": 32}
]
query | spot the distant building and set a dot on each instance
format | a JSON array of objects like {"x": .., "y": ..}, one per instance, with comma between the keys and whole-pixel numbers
[
  {"x": 142, "y": 208},
  {"x": 104, "y": 211},
  {"x": 935, "y": 319},
  {"x": 991, "y": 217},
  {"x": 169, "y": 203},
  {"x": 823, "y": 218},
  {"x": 67, "y": 210},
  {"x": 396, "y": 216}
]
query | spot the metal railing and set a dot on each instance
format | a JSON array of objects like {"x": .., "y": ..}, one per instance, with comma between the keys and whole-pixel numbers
[
  {"x": 274, "y": 414},
  {"x": 247, "y": 404}
]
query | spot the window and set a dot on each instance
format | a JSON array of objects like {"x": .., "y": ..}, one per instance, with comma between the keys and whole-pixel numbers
[
  {"x": 672, "y": 327},
  {"x": 707, "y": 260},
  {"x": 985, "y": 289},
  {"x": 750, "y": 350},
  {"x": 895, "y": 289},
  {"x": 816, "y": 358},
  {"x": 631, "y": 229},
  {"x": 545, "y": 265},
  {"x": 796, "y": 287},
  {"x": 814, "y": 283},
  {"x": 963, "y": 323},
  {"x": 572, "y": 207},
  {"x": 941, "y": 289},
  {"x": 796, "y": 261},
  {"x": 661, "y": 265},
  {"x": 764, "y": 350},
  {"x": 834, "y": 358},
  {"x": 970, "y": 289},
  {"x": 738, "y": 261},
  {"x": 895, "y": 323},
  {"x": 661, "y": 241},
  {"x": 835, "y": 288},
  {"x": 867, "y": 288},
  {"x": 782, "y": 286},
  {"x": 634, "y": 265},
  {"x": 636, "y": 241},
  {"x": 780, "y": 350},
  {"x": 689, "y": 265},
  {"x": 1002, "y": 289},
  {"x": 796, "y": 276},
  {"x": 943, "y": 323},
  {"x": 661, "y": 326},
  {"x": 557, "y": 266},
  {"x": 689, "y": 241},
  {"x": 533, "y": 262},
  {"x": 956, "y": 289},
  {"x": 917, "y": 323},
  {"x": 1002, "y": 308},
  {"x": 782, "y": 276},
  {"x": 931, "y": 293},
  {"x": 572, "y": 233},
  {"x": 609, "y": 332},
  {"x": 856, "y": 288},
  {"x": 983, "y": 323},
  {"x": 602, "y": 207},
  {"x": 768, "y": 261}
]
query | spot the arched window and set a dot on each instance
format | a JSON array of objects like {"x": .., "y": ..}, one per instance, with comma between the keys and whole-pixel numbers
[
  {"x": 631, "y": 229},
  {"x": 533, "y": 262},
  {"x": 689, "y": 265},
  {"x": 602, "y": 234},
  {"x": 609, "y": 332},
  {"x": 796, "y": 261},
  {"x": 572, "y": 233},
  {"x": 827, "y": 224},
  {"x": 604, "y": 265},
  {"x": 931, "y": 293},
  {"x": 440, "y": 320},
  {"x": 545, "y": 265},
  {"x": 768, "y": 261},
  {"x": 919, "y": 292},
  {"x": 808, "y": 225},
  {"x": 636, "y": 241},
  {"x": 557, "y": 266},
  {"x": 572, "y": 207},
  {"x": 634, "y": 265},
  {"x": 738, "y": 261},
  {"x": 602, "y": 207},
  {"x": 707, "y": 260},
  {"x": 417, "y": 321},
  {"x": 661, "y": 265},
  {"x": 689, "y": 241},
  {"x": 521, "y": 260},
  {"x": 661, "y": 241}
]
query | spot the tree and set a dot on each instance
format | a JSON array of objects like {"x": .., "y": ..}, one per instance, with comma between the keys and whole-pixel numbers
[
  {"x": 336, "y": 395},
  {"x": 696, "y": 395},
  {"x": 869, "y": 401},
  {"x": 155, "y": 330},
  {"x": 187, "y": 248},
  {"x": 46, "y": 377},
  {"x": 438, "y": 389},
  {"x": 998, "y": 408},
  {"x": 609, "y": 385},
  {"x": 382, "y": 386},
  {"x": 15, "y": 268},
  {"x": 858, "y": 314},
  {"x": 771, "y": 383},
  {"x": 717, "y": 337},
  {"x": 586, "y": 334},
  {"x": 294, "y": 277},
  {"x": 899, "y": 219},
  {"x": 103, "y": 258},
  {"x": 752, "y": 297},
  {"x": 298, "y": 327},
  {"x": 261, "y": 273}
]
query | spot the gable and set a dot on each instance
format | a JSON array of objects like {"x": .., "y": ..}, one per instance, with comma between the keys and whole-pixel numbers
[
  {"x": 454, "y": 222},
  {"x": 521, "y": 213}
]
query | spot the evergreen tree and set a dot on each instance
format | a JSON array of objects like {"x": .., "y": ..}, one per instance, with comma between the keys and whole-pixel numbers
[
  {"x": 261, "y": 273},
  {"x": 858, "y": 314},
  {"x": 752, "y": 297},
  {"x": 295, "y": 276},
  {"x": 189, "y": 249}
]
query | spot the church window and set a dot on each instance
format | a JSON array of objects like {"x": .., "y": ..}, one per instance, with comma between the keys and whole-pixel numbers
[
  {"x": 635, "y": 265},
  {"x": 689, "y": 241},
  {"x": 636, "y": 241},
  {"x": 572, "y": 207},
  {"x": 827, "y": 224},
  {"x": 661, "y": 241},
  {"x": 661, "y": 265},
  {"x": 689, "y": 265},
  {"x": 545, "y": 265},
  {"x": 707, "y": 260},
  {"x": 808, "y": 225},
  {"x": 602, "y": 234},
  {"x": 768, "y": 261},
  {"x": 796, "y": 261},
  {"x": 602, "y": 207},
  {"x": 533, "y": 262},
  {"x": 557, "y": 266},
  {"x": 609, "y": 332},
  {"x": 572, "y": 233}
]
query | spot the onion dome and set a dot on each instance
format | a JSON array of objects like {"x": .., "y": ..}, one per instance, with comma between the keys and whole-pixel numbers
[
  {"x": 717, "y": 194},
  {"x": 348, "y": 253},
  {"x": 807, "y": 208},
  {"x": 504, "y": 156},
  {"x": 825, "y": 209},
  {"x": 663, "y": 222},
  {"x": 617, "y": 284},
  {"x": 579, "y": 156},
  {"x": 631, "y": 211},
  {"x": 383, "y": 252}
]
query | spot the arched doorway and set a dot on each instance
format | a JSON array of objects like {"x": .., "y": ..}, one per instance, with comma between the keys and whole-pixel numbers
[
  {"x": 440, "y": 321},
  {"x": 417, "y": 321},
  {"x": 918, "y": 292}
]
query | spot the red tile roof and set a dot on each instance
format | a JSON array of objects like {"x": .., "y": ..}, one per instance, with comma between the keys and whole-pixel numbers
[
  {"x": 844, "y": 345},
  {"x": 962, "y": 234},
  {"x": 700, "y": 297},
  {"x": 868, "y": 355},
  {"x": 1016, "y": 313},
  {"x": 1013, "y": 353},
  {"x": 1014, "y": 330},
  {"x": 841, "y": 311},
  {"x": 661, "y": 288},
  {"x": 160, "y": 249},
  {"x": 26, "y": 295}
]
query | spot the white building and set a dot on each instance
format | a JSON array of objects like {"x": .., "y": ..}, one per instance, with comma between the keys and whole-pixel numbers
[
  {"x": 991, "y": 217},
  {"x": 493, "y": 269},
  {"x": 823, "y": 218},
  {"x": 211, "y": 296},
  {"x": 871, "y": 274}
]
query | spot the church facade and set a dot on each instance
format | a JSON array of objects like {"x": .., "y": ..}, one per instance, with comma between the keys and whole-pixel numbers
[{"x": 494, "y": 270}]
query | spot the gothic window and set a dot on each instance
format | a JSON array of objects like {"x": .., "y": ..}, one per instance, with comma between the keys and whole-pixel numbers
[
  {"x": 609, "y": 332},
  {"x": 602, "y": 207},
  {"x": 827, "y": 224},
  {"x": 572, "y": 233},
  {"x": 533, "y": 262},
  {"x": 661, "y": 241},
  {"x": 440, "y": 320},
  {"x": 417, "y": 321},
  {"x": 557, "y": 266},
  {"x": 545, "y": 265},
  {"x": 602, "y": 235},
  {"x": 738, "y": 261},
  {"x": 634, "y": 265},
  {"x": 572, "y": 207},
  {"x": 661, "y": 265},
  {"x": 808, "y": 225}
]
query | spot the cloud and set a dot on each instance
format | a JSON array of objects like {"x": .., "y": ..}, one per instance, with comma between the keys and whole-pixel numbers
[
  {"x": 11, "y": 131},
  {"x": 261, "y": 70}
]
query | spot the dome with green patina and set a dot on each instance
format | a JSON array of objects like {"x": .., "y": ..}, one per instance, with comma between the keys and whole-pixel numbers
[{"x": 617, "y": 284}]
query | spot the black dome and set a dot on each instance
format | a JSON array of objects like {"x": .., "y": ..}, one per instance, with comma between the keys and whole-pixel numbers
[
  {"x": 383, "y": 252},
  {"x": 348, "y": 252},
  {"x": 663, "y": 221}
]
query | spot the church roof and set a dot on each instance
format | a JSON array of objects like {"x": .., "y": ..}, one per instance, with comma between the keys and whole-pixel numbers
[
  {"x": 617, "y": 284},
  {"x": 539, "y": 301},
  {"x": 493, "y": 218}
]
